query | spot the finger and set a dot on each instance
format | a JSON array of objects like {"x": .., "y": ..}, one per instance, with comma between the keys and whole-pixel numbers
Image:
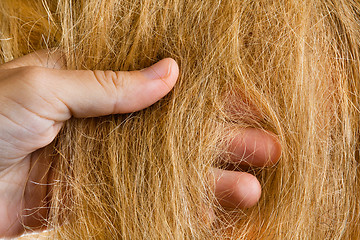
[
  {"x": 255, "y": 147},
  {"x": 236, "y": 189},
  {"x": 42, "y": 58},
  {"x": 85, "y": 93},
  {"x": 37, "y": 190},
  {"x": 97, "y": 93}
]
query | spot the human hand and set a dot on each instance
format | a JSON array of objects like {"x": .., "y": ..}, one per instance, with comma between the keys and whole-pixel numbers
[
  {"x": 250, "y": 148},
  {"x": 36, "y": 97},
  {"x": 35, "y": 100}
]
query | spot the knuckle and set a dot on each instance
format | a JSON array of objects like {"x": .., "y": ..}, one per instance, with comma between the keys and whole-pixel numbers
[
  {"x": 109, "y": 80},
  {"x": 112, "y": 82},
  {"x": 32, "y": 74}
]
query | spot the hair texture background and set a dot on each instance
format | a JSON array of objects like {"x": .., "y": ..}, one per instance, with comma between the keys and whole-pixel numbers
[{"x": 145, "y": 175}]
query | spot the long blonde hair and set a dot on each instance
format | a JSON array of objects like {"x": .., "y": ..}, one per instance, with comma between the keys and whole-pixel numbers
[{"x": 145, "y": 175}]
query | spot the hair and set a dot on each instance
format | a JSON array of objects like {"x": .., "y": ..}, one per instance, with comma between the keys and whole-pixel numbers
[{"x": 290, "y": 67}]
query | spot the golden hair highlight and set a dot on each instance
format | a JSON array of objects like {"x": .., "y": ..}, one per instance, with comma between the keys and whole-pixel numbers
[{"x": 291, "y": 67}]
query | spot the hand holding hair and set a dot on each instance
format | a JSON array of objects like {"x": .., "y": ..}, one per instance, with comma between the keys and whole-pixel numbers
[{"x": 36, "y": 97}]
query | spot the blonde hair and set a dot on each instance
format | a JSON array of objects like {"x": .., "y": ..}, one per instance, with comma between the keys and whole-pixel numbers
[{"x": 145, "y": 175}]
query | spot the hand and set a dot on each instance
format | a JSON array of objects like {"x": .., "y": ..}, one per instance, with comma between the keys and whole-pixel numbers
[
  {"x": 36, "y": 97},
  {"x": 250, "y": 147},
  {"x": 35, "y": 100}
]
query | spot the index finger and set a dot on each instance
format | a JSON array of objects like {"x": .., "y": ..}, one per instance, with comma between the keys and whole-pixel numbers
[
  {"x": 255, "y": 147},
  {"x": 42, "y": 58}
]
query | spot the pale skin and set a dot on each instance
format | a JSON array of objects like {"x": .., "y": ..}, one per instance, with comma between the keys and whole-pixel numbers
[{"x": 37, "y": 97}]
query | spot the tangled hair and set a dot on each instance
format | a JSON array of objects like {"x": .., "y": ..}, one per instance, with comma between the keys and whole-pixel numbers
[{"x": 290, "y": 67}]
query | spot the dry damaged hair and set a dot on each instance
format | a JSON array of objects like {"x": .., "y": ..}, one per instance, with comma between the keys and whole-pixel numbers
[{"x": 144, "y": 175}]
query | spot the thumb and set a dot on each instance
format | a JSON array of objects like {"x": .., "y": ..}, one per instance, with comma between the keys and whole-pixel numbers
[
  {"x": 97, "y": 93},
  {"x": 85, "y": 93}
]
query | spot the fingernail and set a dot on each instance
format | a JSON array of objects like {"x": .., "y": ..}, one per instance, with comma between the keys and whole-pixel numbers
[{"x": 159, "y": 70}]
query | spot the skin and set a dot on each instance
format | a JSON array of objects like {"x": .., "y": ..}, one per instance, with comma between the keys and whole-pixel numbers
[{"x": 37, "y": 97}]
